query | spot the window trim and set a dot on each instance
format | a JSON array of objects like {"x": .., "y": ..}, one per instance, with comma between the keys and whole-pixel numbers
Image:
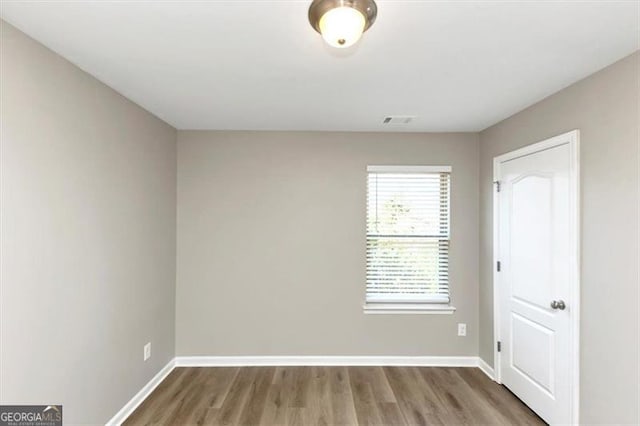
[
  {"x": 408, "y": 308},
  {"x": 403, "y": 307},
  {"x": 409, "y": 169}
]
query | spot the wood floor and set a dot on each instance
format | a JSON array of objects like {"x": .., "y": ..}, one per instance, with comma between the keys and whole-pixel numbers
[{"x": 330, "y": 396}]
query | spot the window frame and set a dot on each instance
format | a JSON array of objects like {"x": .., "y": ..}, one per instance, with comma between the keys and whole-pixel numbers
[{"x": 405, "y": 307}]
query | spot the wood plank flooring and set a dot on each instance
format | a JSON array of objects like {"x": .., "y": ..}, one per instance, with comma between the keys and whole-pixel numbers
[{"x": 331, "y": 396}]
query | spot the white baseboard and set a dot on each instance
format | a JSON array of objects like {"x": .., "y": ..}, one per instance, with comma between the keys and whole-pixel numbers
[
  {"x": 235, "y": 361},
  {"x": 261, "y": 361},
  {"x": 138, "y": 398},
  {"x": 486, "y": 369}
]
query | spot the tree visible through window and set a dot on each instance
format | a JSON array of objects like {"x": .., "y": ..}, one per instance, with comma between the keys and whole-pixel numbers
[{"x": 408, "y": 234}]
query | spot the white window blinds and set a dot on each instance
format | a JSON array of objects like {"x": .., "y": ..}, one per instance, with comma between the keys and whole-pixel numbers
[{"x": 408, "y": 234}]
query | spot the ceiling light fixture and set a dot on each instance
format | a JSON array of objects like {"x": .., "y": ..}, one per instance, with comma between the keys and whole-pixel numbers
[{"x": 342, "y": 22}]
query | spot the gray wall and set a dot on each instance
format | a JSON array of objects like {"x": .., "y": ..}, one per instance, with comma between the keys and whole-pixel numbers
[
  {"x": 271, "y": 244},
  {"x": 604, "y": 107},
  {"x": 88, "y": 237}
]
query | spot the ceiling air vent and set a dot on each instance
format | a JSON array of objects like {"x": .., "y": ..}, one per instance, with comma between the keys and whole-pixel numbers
[{"x": 398, "y": 119}]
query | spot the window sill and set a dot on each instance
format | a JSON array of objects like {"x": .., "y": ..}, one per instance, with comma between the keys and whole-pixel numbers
[{"x": 408, "y": 308}]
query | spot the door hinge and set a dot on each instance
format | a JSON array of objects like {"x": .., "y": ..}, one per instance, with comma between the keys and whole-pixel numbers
[
  {"x": 497, "y": 183},
  {"x": 499, "y": 346},
  {"x": 498, "y": 266}
]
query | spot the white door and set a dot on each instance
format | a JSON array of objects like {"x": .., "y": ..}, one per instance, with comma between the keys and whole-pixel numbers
[{"x": 537, "y": 282}]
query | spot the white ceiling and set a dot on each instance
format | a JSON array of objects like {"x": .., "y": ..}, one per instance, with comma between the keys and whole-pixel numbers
[{"x": 455, "y": 65}]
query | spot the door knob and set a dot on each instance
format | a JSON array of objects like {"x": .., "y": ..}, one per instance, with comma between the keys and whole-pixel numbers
[{"x": 558, "y": 304}]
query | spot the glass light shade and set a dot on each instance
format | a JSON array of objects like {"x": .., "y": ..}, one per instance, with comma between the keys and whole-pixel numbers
[{"x": 342, "y": 26}]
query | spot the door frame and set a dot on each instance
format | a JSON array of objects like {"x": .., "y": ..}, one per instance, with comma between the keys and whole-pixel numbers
[{"x": 572, "y": 139}]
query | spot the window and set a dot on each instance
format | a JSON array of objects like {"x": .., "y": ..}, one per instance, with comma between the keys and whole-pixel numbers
[{"x": 407, "y": 237}]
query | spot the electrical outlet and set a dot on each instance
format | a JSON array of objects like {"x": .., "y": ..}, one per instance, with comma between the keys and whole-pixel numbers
[
  {"x": 462, "y": 329},
  {"x": 147, "y": 351}
]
